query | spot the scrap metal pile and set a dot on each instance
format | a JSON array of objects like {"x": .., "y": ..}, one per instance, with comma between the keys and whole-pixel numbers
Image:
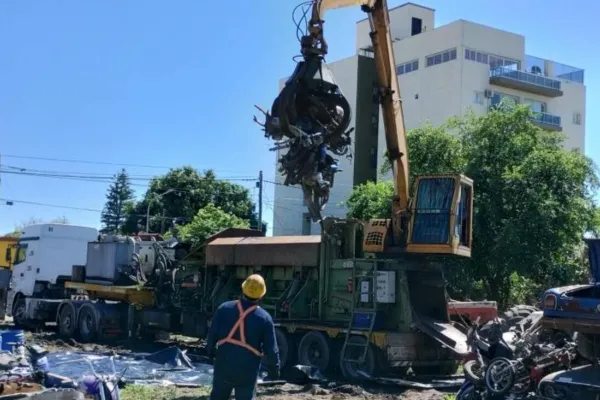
[
  {"x": 519, "y": 364},
  {"x": 310, "y": 119}
]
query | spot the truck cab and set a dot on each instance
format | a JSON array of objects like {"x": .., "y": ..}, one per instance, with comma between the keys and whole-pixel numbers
[{"x": 44, "y": 260}]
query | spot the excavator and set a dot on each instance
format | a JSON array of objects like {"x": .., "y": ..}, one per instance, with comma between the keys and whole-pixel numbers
[{"x": 310, "y": 117}]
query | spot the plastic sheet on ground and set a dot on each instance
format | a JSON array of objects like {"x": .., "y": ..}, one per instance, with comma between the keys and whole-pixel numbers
[{"x": 136, "y": 368}]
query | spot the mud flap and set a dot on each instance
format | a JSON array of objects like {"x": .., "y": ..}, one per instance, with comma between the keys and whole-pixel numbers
[{"x": 445, "y": 333}]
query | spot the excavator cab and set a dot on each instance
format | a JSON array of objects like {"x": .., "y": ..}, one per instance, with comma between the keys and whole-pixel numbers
[
  {"x": 439, "y": 221},
  {"x": 441, "y": 215}
]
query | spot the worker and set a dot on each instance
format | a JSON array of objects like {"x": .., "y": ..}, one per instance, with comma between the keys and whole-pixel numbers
[{"x": 239, "y": 334}]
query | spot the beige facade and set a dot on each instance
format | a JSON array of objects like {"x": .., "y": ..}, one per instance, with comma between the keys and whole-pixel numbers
[{"x": 443, "y": 72}]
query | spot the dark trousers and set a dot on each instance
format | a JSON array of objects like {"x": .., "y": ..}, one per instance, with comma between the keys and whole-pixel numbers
[{"x": 221, "y": 390}]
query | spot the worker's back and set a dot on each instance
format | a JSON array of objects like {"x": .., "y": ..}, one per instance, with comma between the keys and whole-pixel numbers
[{"x": 241, "y": 365}]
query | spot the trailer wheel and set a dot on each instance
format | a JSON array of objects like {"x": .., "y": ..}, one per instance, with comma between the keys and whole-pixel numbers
[
  {"x": 314, "y": 350},
  {"x": 67, "y": 321},
  {"x": 88, "y": 323},
  {"x": 353, "y": 369}
]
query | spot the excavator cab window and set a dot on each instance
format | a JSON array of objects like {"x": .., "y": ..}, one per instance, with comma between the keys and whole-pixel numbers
[
  {"x": 441, "y": 216},
  {"x": 433, "y": 210},
  {"x": 463, "y": 211}
]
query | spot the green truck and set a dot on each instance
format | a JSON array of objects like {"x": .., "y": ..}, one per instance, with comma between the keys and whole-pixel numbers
[{"x": 335, "y": 306}]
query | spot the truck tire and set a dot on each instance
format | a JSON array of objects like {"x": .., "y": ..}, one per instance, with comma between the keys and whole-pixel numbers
[
  {"x": 285, "y": 346},
  {"x": 314, "y": 351},
  {"x": 352, "y": 370},
  {"x": 67, "y": 321},
  {"x": 517, "y": 313},
  {"x": 18, "y": 312},
  {"x": 88, "y": 323}
]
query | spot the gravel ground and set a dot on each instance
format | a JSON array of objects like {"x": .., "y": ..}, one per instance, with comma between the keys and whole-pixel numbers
[{"x": 331, "y": 391}]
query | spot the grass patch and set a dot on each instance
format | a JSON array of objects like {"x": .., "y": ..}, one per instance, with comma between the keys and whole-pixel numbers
[{"x": 139, "y": 392}]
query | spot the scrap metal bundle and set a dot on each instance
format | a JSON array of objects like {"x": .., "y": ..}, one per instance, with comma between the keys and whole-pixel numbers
[{"x": 310, "y": 120}]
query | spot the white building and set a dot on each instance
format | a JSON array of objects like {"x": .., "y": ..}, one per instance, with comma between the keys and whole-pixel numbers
[{"x": 443, "y": 72}]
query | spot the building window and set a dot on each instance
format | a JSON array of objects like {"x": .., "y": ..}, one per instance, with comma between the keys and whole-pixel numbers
[
  {"x": 407, "y": 67},
  {"x": 536, "y": 106},
  {"x": 491, "y": 60},
  {"x": 577, "y": 118},
  {"x": 439, "y": 58},
  {"x": 416, "y": 26},
  {"x": 306, "y": 223},
  {"x": 498, "y": 97},
  {"x": 479, "y": 98}
]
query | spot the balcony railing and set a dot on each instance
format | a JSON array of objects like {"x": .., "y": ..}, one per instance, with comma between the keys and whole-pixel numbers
[
  {"x": 520, "y": 80},
  {"x": 546, "y": 120}
]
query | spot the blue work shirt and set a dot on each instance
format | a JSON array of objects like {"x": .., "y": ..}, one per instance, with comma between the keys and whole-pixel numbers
[{"x": 234, "y": 363}]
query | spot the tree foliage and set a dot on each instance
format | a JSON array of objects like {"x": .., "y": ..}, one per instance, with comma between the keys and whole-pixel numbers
[
  {"x": 176, "y": 197},
  {"x": 118, "y": 199},
  {"x": 533, "y": 201},
  {"x": 208, "y": 221}
]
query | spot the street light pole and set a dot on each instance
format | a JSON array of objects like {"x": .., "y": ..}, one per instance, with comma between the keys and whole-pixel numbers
[{"x": 155, "y": 197}]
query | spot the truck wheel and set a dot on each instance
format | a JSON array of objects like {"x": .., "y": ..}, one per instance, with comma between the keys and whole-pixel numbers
[
  {"x": 314, "y": 350},
  {"x": 284, "y": 345},
  {"x": 67, "y": 321},
  {"x": 88, "y": 323},
  {"x": 354, "y": 350},
  {"x": 19, "y": 313}
]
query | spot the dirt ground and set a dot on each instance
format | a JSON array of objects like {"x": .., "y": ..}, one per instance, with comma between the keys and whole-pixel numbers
[{"x": 328, "y": 391}]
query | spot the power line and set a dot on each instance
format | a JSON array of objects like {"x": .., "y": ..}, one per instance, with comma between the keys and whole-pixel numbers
[
  {"x": 110, "y": 179},
  {"x": 76, "y": 161},
  {"x": 34, "y": 203}
]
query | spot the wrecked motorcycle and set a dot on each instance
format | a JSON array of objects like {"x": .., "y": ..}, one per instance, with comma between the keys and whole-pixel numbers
[{"x": 523, "y": 374}]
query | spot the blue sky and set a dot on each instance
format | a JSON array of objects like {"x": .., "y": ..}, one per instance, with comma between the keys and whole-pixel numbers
[{"x": 170, "y": 83}]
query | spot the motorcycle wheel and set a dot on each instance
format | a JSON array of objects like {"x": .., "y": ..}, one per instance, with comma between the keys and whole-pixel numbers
[
  {"x": 474, "y": 372},
  {"x": 500, "y": 376},
  {"x": 468, "y": 393}
]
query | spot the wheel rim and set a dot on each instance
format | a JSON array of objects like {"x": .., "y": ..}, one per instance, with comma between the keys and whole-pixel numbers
[
  {"x": 355, "y": 369},
  {"x": 313, "y": 351},
  {"x": 19, "y": 313},
  {"x": 66, "y": 321},
  {"x": 87, "y": 324},
  {"x": 499, "y": 377}
]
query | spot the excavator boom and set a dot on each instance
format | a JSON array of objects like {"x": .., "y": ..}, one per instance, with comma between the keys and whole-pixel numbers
[
  {"x": 313, "y": 116},
  {"x": 389, "y": 90}
]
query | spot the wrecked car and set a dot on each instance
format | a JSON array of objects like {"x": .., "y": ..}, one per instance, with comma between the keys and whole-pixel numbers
[{"x": 576, "y": 308}]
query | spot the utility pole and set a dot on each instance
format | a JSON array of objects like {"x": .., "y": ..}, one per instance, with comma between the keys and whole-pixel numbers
[{"x": 260, "y": 201}]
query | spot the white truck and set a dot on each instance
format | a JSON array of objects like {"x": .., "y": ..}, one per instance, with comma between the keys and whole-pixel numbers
[{"x": 44, "y": 262}]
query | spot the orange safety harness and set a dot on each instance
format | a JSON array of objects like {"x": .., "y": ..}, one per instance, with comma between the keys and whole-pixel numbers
[{"x": 242, "y": 328}]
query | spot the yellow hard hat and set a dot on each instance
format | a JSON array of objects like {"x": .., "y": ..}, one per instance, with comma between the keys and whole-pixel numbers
[{"x": 254, "y": 287}]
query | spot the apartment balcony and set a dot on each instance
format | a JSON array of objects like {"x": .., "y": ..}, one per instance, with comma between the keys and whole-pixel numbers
[
  {"x": 526, "y": 81},
  {"x": 547, "y": 121}
]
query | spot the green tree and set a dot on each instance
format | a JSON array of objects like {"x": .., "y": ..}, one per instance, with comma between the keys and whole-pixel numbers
[
  {"x": 180, "y": 193},
  {"x": 533, "y": 200},
  {"x": 118, "y": 199},
  {"x": 207, "y": 221}
]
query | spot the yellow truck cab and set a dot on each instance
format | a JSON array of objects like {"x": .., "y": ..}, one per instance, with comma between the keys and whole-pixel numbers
[
  {"x": 8, "y": 252},
  {"x": 8, "y": 248}
]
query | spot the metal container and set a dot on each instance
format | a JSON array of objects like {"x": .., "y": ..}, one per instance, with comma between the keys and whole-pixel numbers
[{"x": 104, "y": 259}]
